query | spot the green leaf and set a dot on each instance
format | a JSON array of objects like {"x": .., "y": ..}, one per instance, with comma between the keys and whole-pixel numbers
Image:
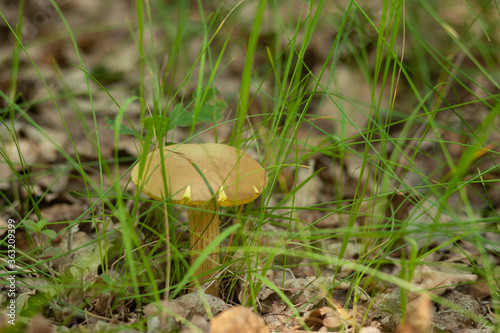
[
  {"x": 42, "y": 223},
  {"x": 51, "y": 251},
  {"x": 211, "y": 111},
  {"x": 124, "y": 130},
  {"x": 36, "y": 227},
  {"x": 158, "y": 125},
  {"x": 107, "y": 279},
  {"x": 31, "y": 226},
  {"x": 211, "y": 91},
  {"x": 51, "y": 234},
  {"x": 180, "y": 116}
]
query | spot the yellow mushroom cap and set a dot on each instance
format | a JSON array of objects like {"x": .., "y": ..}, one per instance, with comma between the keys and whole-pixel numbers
[{"x": 234, "y": 177}]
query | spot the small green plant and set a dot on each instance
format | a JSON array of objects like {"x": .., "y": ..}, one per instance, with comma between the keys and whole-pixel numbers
[
  {"x": 39, "y": 229},
  {"x": 157, "y": 126}
]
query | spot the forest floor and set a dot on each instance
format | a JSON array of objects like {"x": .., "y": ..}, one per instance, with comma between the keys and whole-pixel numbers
[{"x": 372, "y": 221}]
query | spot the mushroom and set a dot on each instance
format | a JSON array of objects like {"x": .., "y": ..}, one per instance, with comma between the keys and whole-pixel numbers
[{"x": 203, "y": 176}]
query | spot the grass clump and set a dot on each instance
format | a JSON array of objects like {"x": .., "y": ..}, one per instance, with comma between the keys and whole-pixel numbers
[{"x": 376, "y": 123}]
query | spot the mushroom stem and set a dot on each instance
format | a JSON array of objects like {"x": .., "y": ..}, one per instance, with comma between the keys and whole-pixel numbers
[{"x": 204, "y": 228}]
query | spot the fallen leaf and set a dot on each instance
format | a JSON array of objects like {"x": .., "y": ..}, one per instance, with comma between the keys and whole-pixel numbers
[
  {"x": 39, "y": 324},
  {"x": 173, "y": 313},
  {"x": 238, "y": 319},
  {"x": 419, "y": 316},
  {"x": 446, "y": 319},
  {"x": 369, "y": 330},
  {"x": 436, "y": 281},
  {"x": 325, "y": 317}
]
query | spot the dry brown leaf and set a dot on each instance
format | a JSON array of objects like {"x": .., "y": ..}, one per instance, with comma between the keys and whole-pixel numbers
[
  {"x": 51, "y": 185},
  {"x": 26, "y": 152},
  {"x": 3, "y": 225},
  {"x": 369, "y": 330},
  {"x": 172, "y": 313},
  {"x": 315, "y": 319},
  {"x": 387, "y": 310},
  {"x": 39, "y": 324},
  {"x": 479, "y": 290},
  {"x": 419, "y": 316},
  {"x": 309, "y": 193},
  {"x": 437, "y": 282},
  {"x": 333, "y": 320},
  {"x": 3, "y": 321},
  {"x": 325, "y": 317},
  {"x": 305, "y": 293},
  {"x": 446, "y": 319},
  {"x": 238, "y": 319},
  {"x": 200, "y": 323},
  {"x": 280, "y": 322},
  {"x": 101, "y": 302}
]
